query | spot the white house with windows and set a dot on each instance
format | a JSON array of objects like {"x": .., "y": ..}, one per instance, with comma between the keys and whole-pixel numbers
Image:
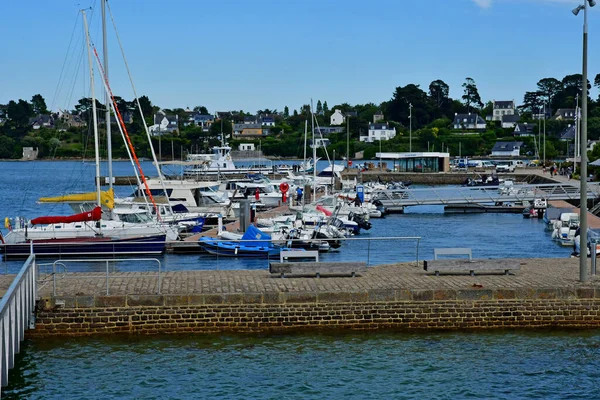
[
  {"x": 337, "y": 118},
  {"x": 320, "y": 143},
  {"x": 379, "y": 132},
  {"x": 502, "y": 108},
  {"x": 468, "y": 121},
  {"x": 246, "y": 147},
  {"x": 507, "y": 149}
]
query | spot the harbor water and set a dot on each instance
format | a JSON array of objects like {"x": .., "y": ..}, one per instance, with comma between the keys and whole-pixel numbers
[
  {"x": 506, "y": 365},
  {"x": 493, "y": 365},
  {"x": 488, "y": 235}
]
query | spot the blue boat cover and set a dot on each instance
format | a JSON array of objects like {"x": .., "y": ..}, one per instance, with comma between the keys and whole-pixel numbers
[{"x": 258, "y": 237}]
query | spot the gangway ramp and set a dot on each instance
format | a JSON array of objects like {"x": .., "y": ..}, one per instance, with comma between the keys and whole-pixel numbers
[{"x": 445, "y": 195}]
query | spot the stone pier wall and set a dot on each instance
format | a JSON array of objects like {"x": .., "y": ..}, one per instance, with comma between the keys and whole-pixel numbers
[{"x": 277, "y": 312}]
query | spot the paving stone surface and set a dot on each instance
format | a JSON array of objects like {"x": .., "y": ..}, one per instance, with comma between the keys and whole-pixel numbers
[{"x": 534, "y": 274}]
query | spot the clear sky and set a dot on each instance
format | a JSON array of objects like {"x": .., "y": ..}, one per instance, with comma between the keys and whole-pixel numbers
[{"x": 251, "y": 55}]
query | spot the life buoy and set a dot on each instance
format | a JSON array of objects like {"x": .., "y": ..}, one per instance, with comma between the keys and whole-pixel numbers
[
  {"x": 349, "y": 163},
  {"x": 284, "y": 187}
]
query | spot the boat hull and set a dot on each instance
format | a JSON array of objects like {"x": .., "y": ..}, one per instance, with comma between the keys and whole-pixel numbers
[
  {"x": 85, "y": 246},
  {"x": 235, "y": 249}
]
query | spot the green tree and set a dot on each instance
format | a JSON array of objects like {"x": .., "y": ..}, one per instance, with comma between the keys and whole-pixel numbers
[
  {"x": 201, "y": 109},
  {"x": 398, "y": 106},
  {"x": 325, "y": 108},
  {"x": 471, "y": 96},
  {"x": 286, "y": 112},
  {"x": 438, "y": 92},
  {"x": 215, "y": 128},
  {"x": 532, "y": 101},
  {"x": 84, "y": 108},
  {"x": 319, "y": 108},
  {"x": 19, "y": 114},
  {"x": 147, "y": 108},
  {"x": 7, "y": 147},
  {"x": 548, "y": 88},
  {"x": 39, "y": 104}
]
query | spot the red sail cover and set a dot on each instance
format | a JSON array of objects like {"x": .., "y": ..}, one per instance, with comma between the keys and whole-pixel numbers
[
  {"x": 324, "y": 210},
  {"x": 93, "y": 215}
]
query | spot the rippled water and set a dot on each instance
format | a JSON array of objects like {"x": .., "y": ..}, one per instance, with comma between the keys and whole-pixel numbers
[{"x": 504, "y": 365}]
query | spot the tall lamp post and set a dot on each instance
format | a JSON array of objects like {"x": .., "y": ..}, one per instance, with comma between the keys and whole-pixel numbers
[
  {"x": 583, "y": 225},
  {"x": 544, "y": 134},
  {"x": 348, "y": 142},
  {"x": 410, "y": 127}
]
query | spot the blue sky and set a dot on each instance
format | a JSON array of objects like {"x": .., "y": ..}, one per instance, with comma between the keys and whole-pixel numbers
[{"x": 251, "y": 55}]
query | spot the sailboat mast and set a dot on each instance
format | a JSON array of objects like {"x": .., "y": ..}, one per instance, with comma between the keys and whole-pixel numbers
[
  {"x": 94, "y": 115},
  {"x": 107, "y": 99},
  {"x": 305, "y": 138},
  {"x": 312, "y": 126}
]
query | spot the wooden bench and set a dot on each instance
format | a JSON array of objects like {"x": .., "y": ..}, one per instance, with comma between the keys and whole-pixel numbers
[
  {"x": 317, "y": 268},
  {"x": 285, "y": 255},
  {"x": 452, "y": 251},
  {"x": 471, "y": 265}
]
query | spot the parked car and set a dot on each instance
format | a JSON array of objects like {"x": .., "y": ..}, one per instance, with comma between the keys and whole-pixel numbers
[{"x": 505, "y": 166}]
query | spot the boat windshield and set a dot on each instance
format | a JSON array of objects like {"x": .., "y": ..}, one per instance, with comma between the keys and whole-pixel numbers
[{"x": 135, "y": 218}]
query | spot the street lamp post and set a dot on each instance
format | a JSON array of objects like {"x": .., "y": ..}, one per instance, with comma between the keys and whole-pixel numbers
[
  {"x": 410, "y": 127},
  {"x": 348, "y": 142},
  {"x": 583, "y": 225},
  {"x": 544, "y": 134}
]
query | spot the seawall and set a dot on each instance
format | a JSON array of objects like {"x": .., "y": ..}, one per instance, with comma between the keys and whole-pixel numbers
[{"x": 544, "y": 293}]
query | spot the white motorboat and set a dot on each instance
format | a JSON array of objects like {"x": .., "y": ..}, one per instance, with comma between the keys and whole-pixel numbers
[{"x": 565, "y": 228}]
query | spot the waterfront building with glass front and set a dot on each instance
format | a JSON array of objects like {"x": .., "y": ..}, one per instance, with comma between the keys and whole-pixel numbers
[{"x": 416, "y": 162}]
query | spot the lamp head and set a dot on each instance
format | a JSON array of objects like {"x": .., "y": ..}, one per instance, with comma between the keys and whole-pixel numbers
[
  {"x": 577, "y": 9},
  {"x": 592, "y": 3}
]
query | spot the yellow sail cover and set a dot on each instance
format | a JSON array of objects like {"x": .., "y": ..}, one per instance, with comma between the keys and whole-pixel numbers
[{"x": 107, "y": 198}]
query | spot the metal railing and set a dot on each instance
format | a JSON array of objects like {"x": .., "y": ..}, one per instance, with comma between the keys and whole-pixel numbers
[
  {"x": 373, "y": 250},
  {"x": 17, "y": 314},
  {"x": 62, "y": 264}
]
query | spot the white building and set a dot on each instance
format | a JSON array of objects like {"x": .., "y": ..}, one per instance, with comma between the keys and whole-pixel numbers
[
  {"x": 502, "y": 108},
  {"x": 468, "y": 121},
  {"x": 379, "y": 132},
  {"x": 246, "y": 147},
  {"x": 337, "y": 118},
  {"x": 507, "y": 149}
]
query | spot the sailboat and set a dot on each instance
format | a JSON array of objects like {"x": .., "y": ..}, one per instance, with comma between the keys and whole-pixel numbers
[{"x": 85, "y": 232}]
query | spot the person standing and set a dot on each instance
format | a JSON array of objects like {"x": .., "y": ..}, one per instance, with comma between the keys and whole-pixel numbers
[{"x": 299, "y": 193}]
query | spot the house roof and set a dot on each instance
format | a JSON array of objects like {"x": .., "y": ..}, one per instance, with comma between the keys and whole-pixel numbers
[
  {"x": 507, "y": 146},
  {"x": 379, "y": 126},
  {"x": 565, "y": 113},
  {"x": 568, "y": 133},
  {"x": 470, "y": 119},
  {"x": 160, "y": 115},
  {"x": 511, "y": 118},
  {"x": 203, "y": 117},
  {"x": 504, "y": 104},
  {"x": 524, "y": 128},
  {"x": 251, "y": 126}
]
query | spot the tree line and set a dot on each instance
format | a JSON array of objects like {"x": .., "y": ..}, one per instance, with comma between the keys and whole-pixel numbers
[{"x": 429, "y": 113}]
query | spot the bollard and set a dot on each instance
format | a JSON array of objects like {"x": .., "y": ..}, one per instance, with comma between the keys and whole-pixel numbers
[{"x": 593, "y": 255}]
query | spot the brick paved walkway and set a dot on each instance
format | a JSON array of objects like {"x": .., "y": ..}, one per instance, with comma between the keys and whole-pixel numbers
[{"x": 535, "y": 274}]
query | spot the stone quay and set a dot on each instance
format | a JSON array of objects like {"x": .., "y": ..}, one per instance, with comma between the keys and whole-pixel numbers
[{"x": 544, "y": 293}]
